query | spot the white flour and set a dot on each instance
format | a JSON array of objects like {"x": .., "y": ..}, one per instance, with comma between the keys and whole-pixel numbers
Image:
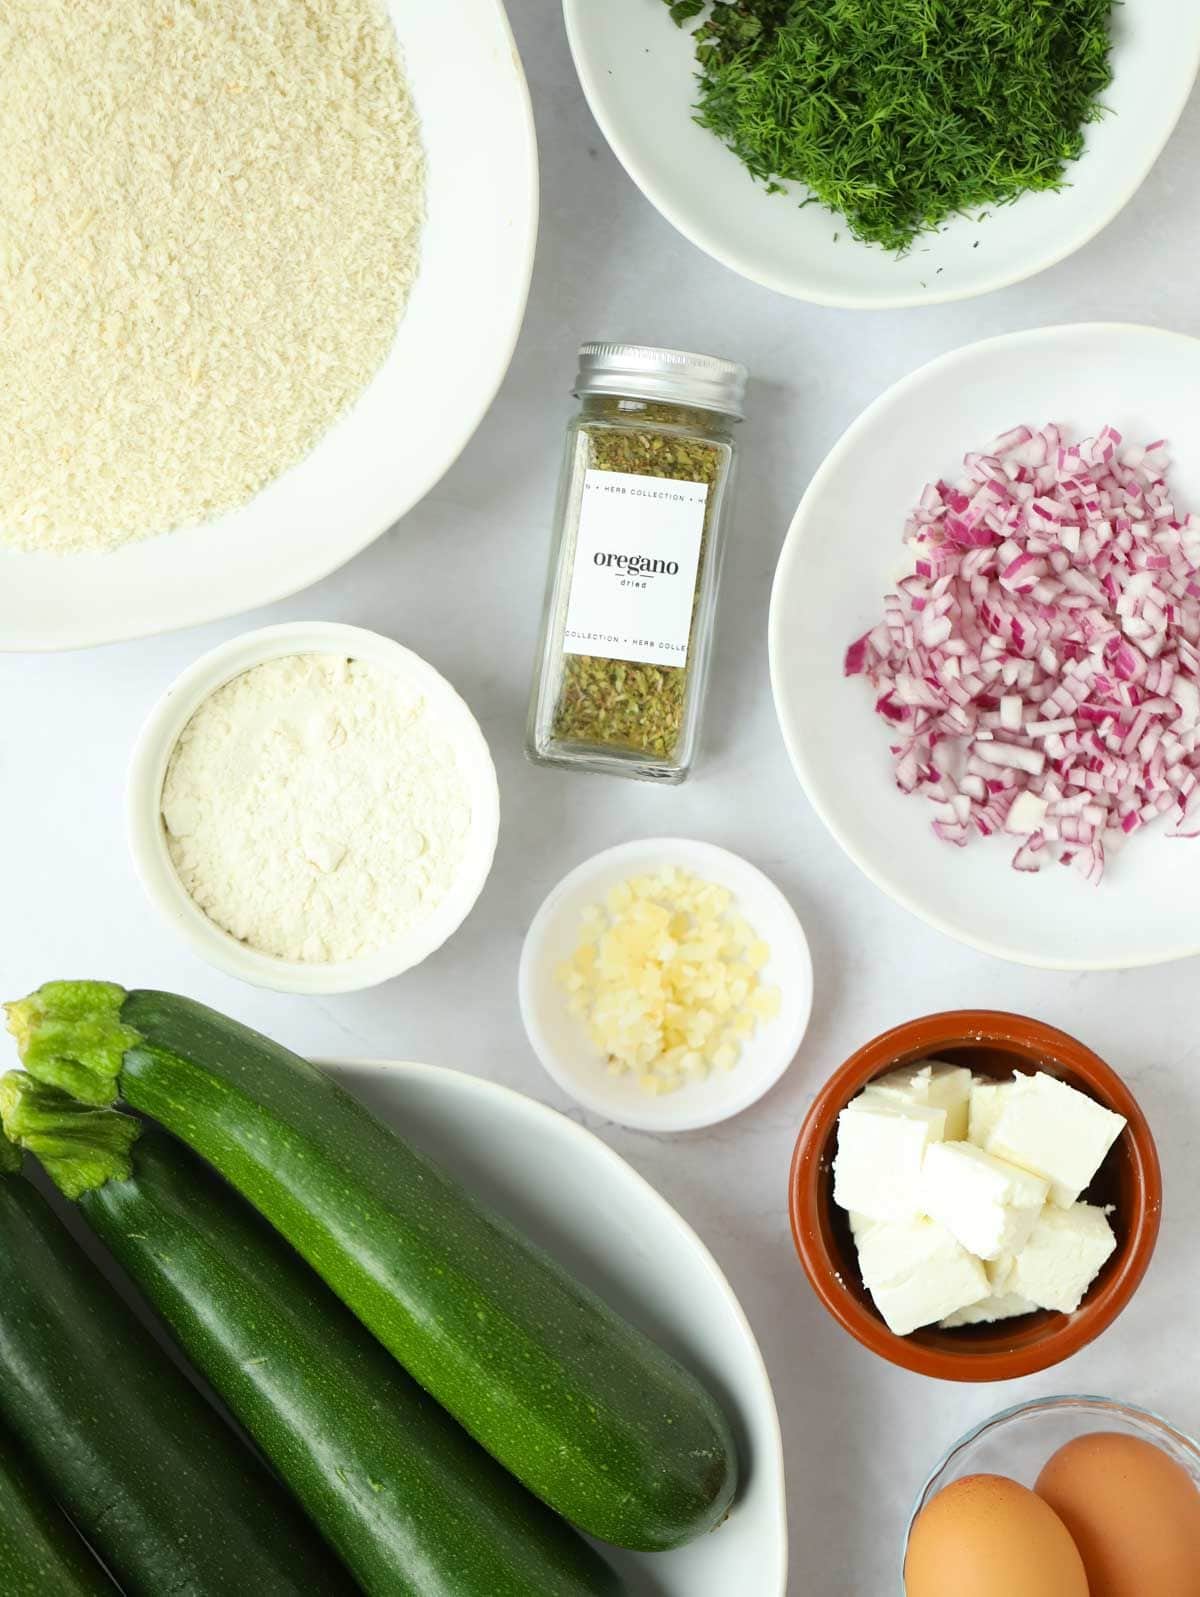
[{"x": 314, "y": 809}]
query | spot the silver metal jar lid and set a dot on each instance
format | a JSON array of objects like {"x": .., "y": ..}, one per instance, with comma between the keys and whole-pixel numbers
[{"x": 639, "y": 371}]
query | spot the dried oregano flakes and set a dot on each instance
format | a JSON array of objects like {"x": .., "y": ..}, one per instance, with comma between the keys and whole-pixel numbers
[{"x": 624, "y": 704}]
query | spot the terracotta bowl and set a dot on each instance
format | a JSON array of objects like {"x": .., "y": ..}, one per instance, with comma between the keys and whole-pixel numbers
[{"x": 990, "y": 1044}]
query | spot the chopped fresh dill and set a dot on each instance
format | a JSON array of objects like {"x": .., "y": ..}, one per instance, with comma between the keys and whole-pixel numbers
[{"x": 900, "y": 114}]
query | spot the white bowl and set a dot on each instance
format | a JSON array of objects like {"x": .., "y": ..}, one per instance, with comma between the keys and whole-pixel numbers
[
  {"x": 561, "y": 1041},
  {"x": 450, "y": 355},
  {"x": 637, "y": 70},
  {"x": 843, "y": 552},
  {"x": 147, "y": 835},
  {"x": 582, "y": 1202}
]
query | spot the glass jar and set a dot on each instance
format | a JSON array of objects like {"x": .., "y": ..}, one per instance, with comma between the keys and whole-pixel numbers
[{"x": 645, "y": 492}]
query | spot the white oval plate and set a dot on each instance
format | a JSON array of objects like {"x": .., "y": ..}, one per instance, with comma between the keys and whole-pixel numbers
[
  {"x": 637, "y": 71},
  {"x": 845, "y": 549},
  {"x": 451, "y": 353},
  {"x": 581, "y": 1201},
  {"x": 561, "y": 1041}
]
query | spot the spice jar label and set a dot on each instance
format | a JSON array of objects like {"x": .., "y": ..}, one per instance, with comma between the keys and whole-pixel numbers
[{"x": 637, "y": 554}]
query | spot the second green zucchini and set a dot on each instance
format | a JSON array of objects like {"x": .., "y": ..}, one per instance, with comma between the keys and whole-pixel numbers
[
  {"x": 40, "y": 1553},
  {"x": 411, "y": 1504},
  {"x": 154, "y": 1479}
]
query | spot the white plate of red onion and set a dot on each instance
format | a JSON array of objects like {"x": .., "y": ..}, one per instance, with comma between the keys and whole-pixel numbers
[{"x": 985, "y": 648}]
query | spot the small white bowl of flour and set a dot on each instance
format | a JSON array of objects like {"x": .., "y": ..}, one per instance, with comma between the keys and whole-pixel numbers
[{"x": 313, "y": 807}]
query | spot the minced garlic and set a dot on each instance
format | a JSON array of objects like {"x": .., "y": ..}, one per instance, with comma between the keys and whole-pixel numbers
[{"x": 667, "y": 978}]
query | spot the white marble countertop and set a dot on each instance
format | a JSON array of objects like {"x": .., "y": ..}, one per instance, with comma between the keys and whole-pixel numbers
[{"x": 859, "y": 1435}]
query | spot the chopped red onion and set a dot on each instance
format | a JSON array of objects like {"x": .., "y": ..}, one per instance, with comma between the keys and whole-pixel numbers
[{"x": 1040, "y": 669}]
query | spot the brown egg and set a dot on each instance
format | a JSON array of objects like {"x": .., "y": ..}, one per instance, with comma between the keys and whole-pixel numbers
[
  {"x": 985, "y": 1536},
  {"x": 1133, "y": 1511}
]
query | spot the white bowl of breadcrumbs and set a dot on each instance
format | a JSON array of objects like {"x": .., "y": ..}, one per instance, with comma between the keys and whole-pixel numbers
[{"x": 262, "y": 270}]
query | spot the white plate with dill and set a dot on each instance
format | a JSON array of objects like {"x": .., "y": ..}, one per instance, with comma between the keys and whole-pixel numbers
[
  {"x": 639, "y": 73},
  {"x": 262, "y": 270}
]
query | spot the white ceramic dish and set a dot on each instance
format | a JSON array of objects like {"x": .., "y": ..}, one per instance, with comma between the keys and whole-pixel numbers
[
  {"x": 1019, "y": 1441},
  {"x": 845, "y": 549},
  {"x": 147, "y": 838},
  {"x": 579, "y": 1199},
  {"x": 561, "y": 1041},
  {"x": 452, "y": 350},
  {"x": 637, "y": 71}
]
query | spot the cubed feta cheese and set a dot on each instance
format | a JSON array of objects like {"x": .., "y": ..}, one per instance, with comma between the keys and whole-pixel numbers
[
  {"x": 933, "y": 1085},
  {"x": 918, "y": 1274},
  {"x": 1056, "y": 1132},
  {"x": 1006, "y": 1306},
  {"x": 987, "y": 1100},
  {"x": 881, "y": 1148},
  {"x": 999, "y": 1272},
  {"x": 1063, "y": 1257},
  {"x": 987, "y": 1205}
]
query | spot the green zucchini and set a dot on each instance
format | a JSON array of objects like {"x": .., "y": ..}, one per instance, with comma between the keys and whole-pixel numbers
[
  {"x": 156, "y": 1482},
  {"x": 40, "y": 1553},
  {"x": 593, "y": 1416},
  {"x": 404, "y": 1496}
]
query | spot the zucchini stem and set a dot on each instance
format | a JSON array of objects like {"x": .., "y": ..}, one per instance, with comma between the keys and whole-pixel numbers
[
  {"x": 69, "y": 1035},
  {"x": 79, "y": 1147},
  {"x": 10, "y": 1156}
]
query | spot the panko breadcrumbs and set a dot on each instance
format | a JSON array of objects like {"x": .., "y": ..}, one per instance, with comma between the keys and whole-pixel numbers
[{"x": 209, "y": 223}]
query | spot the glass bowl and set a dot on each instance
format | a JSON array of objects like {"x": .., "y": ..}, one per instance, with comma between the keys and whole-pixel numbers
[{"x": 1019, "y": 1441}]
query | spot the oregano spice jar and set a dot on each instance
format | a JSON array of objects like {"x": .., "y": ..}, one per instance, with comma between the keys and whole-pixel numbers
[{"x": 645, "y": 490}]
